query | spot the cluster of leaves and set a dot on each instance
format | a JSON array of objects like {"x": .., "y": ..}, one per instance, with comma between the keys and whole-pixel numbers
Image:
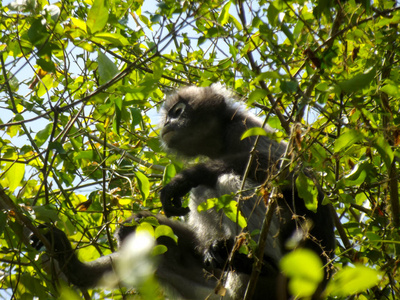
[{"x": 81, "y": 83}]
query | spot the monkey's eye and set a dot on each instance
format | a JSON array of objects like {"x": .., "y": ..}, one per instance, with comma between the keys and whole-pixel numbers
[{"x": 177, "y": 110}]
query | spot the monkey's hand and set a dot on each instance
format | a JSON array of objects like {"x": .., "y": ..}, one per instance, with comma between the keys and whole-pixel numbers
[
  {"x": 200, "y": 174},
  {"x": 171, "y": 196}
]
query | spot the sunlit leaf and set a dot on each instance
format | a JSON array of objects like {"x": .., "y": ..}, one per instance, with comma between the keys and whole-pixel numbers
[
  {"x": 254, "y": 131},
  {"x": 169, "y": 173},
  {"x": 305, "y": 271},
  {"x": 164, "y": 230},
  {"x": 97, "y": 16},
  {"x": 79, "y": 23},
  {"x": 352, "y": 280},
  {"x": 235, "y": 215},
  {"x": 14, "y": 175},
  {"x": 110, "y": 38},
  {"x": 143, "y": 184},
  {"x": 347, "y": 139},
  {"x": 307, "y": 191},
  {"x": 224, "y": 14},
  {"x": 68, "y": 293}
]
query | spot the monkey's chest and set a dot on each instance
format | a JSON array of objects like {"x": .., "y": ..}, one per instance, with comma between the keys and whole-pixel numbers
[{"x": 213, "y": 216}]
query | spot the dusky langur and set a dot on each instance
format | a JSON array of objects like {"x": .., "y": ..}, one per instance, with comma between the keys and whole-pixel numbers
[
  {"x": 205, "y": 121},
  {"x": 208, "y": 122}
]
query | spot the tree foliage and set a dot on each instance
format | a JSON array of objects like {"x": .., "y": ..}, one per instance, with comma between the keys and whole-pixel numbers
[{"x": 81, "y": 83}]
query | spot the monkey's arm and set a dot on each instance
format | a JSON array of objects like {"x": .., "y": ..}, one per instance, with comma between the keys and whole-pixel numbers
[
  {"x": 201, "y": 174},
  {"x": 83, "y": 275},
  {"x": 207, "y": 174},
  {"x": 180, "y": 268}
]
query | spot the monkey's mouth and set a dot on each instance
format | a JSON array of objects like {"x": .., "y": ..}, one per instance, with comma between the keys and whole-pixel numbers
[{"x": 167, "y": 134}]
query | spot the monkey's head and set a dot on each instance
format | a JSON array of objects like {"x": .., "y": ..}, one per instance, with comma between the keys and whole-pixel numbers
[{"x": 193, "y": 121}]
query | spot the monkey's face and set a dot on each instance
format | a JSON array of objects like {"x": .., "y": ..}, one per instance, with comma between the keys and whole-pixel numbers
[
  {"x": 174, "y": 123},
  {"x": 191, "y": 122}
]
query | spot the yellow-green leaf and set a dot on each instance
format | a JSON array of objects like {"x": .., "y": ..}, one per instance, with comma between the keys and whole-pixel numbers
[
  {"x": 353, "y": 280},
  {"x": 110, "y": 38},
  {"x": 164, "y": 230},
  {"x": 347, "y": 139},
  {"x": 143, "y": 184},
  {"x": 254, "y": 131},
  {"x": 307, "y": 191},
  {"x": 14, "y": 175},
  {"x": 224, "y": 15},
  {"x": 304, "y": 270},
  {"x": 79, "y": 23},
  {"x": 97, "y": 16}
]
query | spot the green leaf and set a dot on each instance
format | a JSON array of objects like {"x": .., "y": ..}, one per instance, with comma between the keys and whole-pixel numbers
[
  {"x": 169, "y": 173},
  {"x": 110, "y": 38},
  {"x": 253, "y": 131},
  {"x": 307, "y": 191},
  {"x": 117, "y": 115},
  {"x": 391, "y": 88},
  {"x": 289, "y": 86},
  {"x": 288, "y": 33},
  {"x": 256, "y": 95},
  {"x": 87, "y": 155},
  {"x": 384, "y": 150},
  {"x": 43, "y": 135},
  {"x": 58, "y": 147},
  {"x": 143, "y": 184},
  {"x": 164, "y": 230},
  {"x": 272, "y": 15},
  {"x": 46, "y": 213},
  {"x": 158, "y": 250},
  {"x": 353, "y": 280},
  {"x": 97, "y": 16},
  {"x": 13, "y": 82},
  {"x": 231, "y": 211},
  {"x": 358, "y": 82},
  {"x": 136, "y": 117},
  {"x": 146, "y": 227},
  {"x": 79, "y": 24},
  {"x": 206, "y": 205},
  {"x": 46, "y": 64},
  {"x": 228, "y": 205},
  {"x": 304, "y": 270},
  {"x": 357, "y": 176},
  {"x": 14, "y": 175},
  {"x": 347, "y": 139},
  {"x": 37, "y": 33},
  {"x": 224, "y": 15},
  {"x": 67, "y": 293},
  {"x": 107, "y": 69}
]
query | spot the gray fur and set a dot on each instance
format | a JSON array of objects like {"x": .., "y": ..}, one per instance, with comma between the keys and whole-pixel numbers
[{"x": 208, "y": 122}]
